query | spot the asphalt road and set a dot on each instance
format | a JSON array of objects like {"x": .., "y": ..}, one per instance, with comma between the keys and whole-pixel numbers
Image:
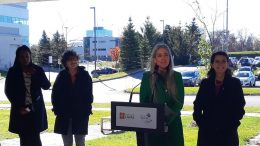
[{"x": 113, "y": 90}]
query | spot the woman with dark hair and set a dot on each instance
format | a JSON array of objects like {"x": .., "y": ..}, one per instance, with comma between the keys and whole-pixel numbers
[
  {"x": 162, "y": 85},
  {"x": 219, "y": 105},
  {"x": 23, "y": 85},
  {"x": 72, "y": 98}
]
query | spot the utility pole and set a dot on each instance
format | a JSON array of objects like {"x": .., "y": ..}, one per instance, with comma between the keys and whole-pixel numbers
[
  {"x": 66, "y": 36},
  {"x": 227, "y": 33},
  {"x": 163, "y": 29},
  {"x": 95, "y": 37}
]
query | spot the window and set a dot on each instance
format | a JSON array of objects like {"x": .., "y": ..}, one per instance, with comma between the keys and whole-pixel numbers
[{"x": 15, "y": 20}]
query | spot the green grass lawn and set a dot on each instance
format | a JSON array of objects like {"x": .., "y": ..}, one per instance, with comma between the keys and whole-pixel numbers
[
  {"x": 4, "y": 122},
  {"x": 185, "y": 107},
  {"x": 194, "y": 90},
  {"x": 249, "y": 127}
]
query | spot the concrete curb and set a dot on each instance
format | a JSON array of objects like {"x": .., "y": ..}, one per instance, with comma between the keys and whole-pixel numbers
[{"x": 134, "y": 72}]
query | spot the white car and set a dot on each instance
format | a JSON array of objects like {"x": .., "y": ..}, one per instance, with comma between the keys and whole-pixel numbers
[
  {"x": 247, "y": 78},
  {"x": 243, "y": 68}
]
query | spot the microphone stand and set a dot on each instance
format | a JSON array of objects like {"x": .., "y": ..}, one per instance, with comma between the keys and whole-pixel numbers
[{"x": 131, "y": 94}]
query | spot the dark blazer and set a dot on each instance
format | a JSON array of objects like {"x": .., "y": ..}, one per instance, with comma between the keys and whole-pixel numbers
[
  {"x": 72, "y": 101},
  {"x": 15, "y": 91},
  {"x": 218, "y": 116}
]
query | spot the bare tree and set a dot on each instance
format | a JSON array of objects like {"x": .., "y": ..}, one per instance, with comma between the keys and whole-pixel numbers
[
  {"x": 242, "y": 37},
  {"x": 195, "y": 6}
]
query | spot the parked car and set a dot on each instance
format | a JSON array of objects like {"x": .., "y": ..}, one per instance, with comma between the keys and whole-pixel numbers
[
  {"x": 191, "y": 78},
  {"x": 105, "y": 70},
  {"x": 247, "y": 78},
  {"x": 243, "y": 68},
  {"x": 257, "y": 59},
  {"x": 245, "y": 61},
  {"x": 258, "y": 75},
  {"x": 233, "y": 61},
  {"x": 256, "y": 62}
]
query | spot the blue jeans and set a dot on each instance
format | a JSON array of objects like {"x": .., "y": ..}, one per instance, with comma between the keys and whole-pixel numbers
[{"x": 68, "y": 139}]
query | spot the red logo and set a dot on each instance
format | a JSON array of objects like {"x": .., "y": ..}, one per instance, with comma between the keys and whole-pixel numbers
[{"x": 122, "y": 115}]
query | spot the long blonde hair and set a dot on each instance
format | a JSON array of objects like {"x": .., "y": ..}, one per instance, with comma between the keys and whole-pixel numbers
[{"x": 170, "y": 80}]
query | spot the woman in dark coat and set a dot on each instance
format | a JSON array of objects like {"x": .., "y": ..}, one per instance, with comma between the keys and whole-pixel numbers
[
  {"x": 219, "y": 105},
  {"x": 72, "y": 98},
  {"x": 23, "y": 85}
]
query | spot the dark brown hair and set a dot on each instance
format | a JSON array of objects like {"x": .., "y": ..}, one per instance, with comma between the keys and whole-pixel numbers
[
  {"x": 211, "y": 72},
  {"x": 68, "y": 55}
]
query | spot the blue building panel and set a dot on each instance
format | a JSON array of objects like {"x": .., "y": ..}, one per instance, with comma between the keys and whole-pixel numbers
[{"x": 100, "y": 32}]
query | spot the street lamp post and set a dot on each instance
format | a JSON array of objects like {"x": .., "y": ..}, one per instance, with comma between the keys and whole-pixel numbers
[
  {"x": 227, "y": 33},
  {"x": 66, "y": 36},
  {"x": 95, "y": 37},
  {"x": 163, "y": 29}
]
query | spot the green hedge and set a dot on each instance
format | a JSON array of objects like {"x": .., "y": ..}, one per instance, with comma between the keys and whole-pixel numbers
[{"x": 245, "y": 53}]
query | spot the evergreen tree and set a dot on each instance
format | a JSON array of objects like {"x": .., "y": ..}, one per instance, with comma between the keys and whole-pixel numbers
[
  {"x": 44, "y": 50},
  {"x": 145, "y": 51},
  {"x": 130, "y": 51},
  {"x": 35, "y": 54},
  {"x": 149, "y": 39},
  {"x": 149, "y": 30},
  {"x": 193, "y": 36},
  {"x": 183, "y": 43},
  {"x": 59, "y": 45},
  {"x": 175, "y": 39}
]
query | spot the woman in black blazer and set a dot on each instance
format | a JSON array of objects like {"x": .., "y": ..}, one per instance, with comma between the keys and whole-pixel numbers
[
  {"x": 219, "y": 105},
  {"x": 23, "y": 85},
  {"x": 72, "y": 98}
]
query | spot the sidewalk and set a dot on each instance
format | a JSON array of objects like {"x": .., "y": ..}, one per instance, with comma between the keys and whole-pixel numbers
[
  {"x": 255, "y": 141},
  {"x": 52, "y": 139}
]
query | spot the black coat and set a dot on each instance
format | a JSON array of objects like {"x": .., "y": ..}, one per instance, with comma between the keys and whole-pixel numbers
[
  {"x": 72, "y": 101},
  {"x": 15, "y": 91},
  {"x": 218, "y": 116}
]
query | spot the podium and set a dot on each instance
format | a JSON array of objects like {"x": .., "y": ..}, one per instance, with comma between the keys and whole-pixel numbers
[{"x": 139, "y": 117}]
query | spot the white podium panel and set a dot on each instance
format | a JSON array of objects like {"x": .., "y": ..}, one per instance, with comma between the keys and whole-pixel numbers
[{"x": 137, "y": 117}]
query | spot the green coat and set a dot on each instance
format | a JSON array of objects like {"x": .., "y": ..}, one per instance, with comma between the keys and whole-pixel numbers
[{"x": 174, "y": 136}]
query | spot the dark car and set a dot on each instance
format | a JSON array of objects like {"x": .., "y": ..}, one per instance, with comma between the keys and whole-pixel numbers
[
  {"x": 245, "y": 62},
  {"x": 191, "y": 78},
  {"x": 105, "y": 70}
]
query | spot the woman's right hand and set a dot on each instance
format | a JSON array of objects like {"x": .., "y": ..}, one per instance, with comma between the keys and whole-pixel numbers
[{"x": 25, "y": 111}]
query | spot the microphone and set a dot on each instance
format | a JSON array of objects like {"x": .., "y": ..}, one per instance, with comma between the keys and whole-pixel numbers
[{"x": 131, "y": 94}]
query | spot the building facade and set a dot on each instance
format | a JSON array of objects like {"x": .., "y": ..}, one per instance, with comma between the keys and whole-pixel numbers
[
  {"x": 14, "y": 31},
  {"x": 77, "y": 46},
  {"x": 104, "y": 42},
  {"x": 16, "y": 16}
]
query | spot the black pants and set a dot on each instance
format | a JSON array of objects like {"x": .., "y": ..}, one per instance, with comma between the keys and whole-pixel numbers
[
  {"x": 211, "y": 137},
  {"x": 30, "y": 139},
  {"x": 140, "y": 139}
]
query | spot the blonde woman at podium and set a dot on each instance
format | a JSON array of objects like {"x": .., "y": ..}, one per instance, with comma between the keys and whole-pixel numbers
[{"x": 162, "y": 85}]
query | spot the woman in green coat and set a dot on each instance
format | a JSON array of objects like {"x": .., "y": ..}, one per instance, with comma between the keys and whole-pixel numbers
[{"x": 163, "y": 85}]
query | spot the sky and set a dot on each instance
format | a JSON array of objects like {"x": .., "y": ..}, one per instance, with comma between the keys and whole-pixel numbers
[{"x": 77, "y": 17}]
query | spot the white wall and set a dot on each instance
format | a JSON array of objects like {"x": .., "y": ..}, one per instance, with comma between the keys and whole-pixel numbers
[
  {"x": 8, "y": 47},
  {"x": 102, "y": 42},
  {"x": 80, "y": 51}
]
